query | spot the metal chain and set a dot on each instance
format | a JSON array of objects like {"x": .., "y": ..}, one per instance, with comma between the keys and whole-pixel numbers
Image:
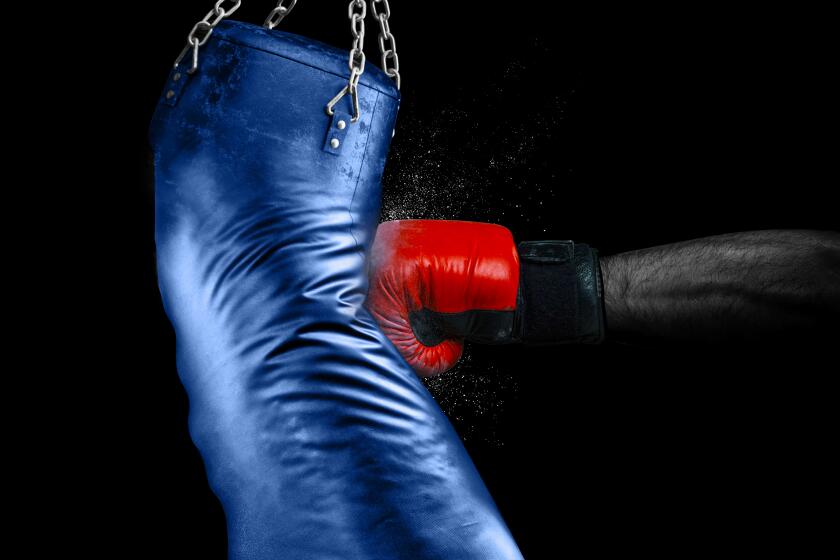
[
  {"x": 357, "y": 27},
  {"x": 356, "y": 11},
  {"x": 277, "y": 14},
  {"x": 201, "y": 31},
  {"x": 387, "y": 43}
]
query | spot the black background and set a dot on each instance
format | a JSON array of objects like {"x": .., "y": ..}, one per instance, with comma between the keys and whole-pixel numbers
[{"x": 622, "y": 128}]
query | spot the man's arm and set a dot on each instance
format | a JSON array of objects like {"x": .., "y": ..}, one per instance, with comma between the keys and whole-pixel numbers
[
  {"x": 436, "y": 283},
  {"x": 740, "y": 286}
]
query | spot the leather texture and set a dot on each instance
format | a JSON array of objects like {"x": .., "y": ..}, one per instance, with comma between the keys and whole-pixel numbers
[
  {"x": 317, "y": 437},
  {"x": 436, "y": 282}
]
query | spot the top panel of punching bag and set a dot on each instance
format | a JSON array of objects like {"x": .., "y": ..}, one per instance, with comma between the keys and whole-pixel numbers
[
  {"x": 303, "y": 50},
  {"x": 253, "y": 78}
]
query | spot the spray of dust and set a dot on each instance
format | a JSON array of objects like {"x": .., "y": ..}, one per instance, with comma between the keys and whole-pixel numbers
[
  {"x": 474, "y": 396},
  {"x": 459, "y": 164}
]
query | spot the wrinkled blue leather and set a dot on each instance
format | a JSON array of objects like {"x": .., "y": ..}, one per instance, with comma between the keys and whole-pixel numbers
[{"x": 317, "y": 437}]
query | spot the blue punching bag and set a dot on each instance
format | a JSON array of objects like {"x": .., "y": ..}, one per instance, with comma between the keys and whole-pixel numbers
[{"x": 318, "y": 439}]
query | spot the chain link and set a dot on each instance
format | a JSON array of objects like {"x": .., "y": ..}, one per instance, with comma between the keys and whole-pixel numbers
[
  {"x": 356, "y": 12},
  {"x": 387, "y": 43},
  {"x": 277, "y": 14},
  {"x": 201, "y": 31}
]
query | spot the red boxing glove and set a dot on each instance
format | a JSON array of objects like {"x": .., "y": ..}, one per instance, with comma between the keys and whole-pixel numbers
[{"x": 435, "y": 282}]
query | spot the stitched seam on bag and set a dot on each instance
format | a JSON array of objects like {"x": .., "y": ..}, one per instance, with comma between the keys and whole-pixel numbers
[
  {"x": 239, "y": 44},
  {"x": 359, "y": 178}
]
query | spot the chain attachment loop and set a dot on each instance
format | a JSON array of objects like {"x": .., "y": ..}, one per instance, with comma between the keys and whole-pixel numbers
[{"x": 356, "y": 12}]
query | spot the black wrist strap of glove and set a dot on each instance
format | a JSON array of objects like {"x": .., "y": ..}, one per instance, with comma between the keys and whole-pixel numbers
[{"x": 560, "y": 294}]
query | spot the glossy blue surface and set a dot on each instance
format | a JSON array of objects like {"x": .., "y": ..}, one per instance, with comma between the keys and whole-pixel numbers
[{"x": 317, "y": 437}]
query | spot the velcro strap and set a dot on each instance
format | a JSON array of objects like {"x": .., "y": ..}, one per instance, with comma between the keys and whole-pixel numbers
[{"x": 560, "y": 293}]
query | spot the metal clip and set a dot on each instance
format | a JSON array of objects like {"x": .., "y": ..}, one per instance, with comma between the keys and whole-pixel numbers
[
  {"x": 353, "y": 95},
  {"x": 195, "y": 44}
]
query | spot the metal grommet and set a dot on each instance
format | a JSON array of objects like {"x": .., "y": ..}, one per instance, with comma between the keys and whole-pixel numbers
[
  {"x": 176, "y": 77},
  {"x": 170, "y": 94},
  {"x": 341, "y": 125},
  {"x": 335, "y": 143}
]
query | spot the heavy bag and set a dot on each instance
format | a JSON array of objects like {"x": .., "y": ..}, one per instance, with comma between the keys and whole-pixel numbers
[{"x": 317, "y": 437}]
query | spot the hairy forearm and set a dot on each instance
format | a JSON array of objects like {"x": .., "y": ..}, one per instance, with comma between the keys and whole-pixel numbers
[{"x": 738, "y": 286}]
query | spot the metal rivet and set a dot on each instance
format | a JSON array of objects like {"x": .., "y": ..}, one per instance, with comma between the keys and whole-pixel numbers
[
  {"x": 170, "y": 94},
  {"x": 176, "y": 77},
  {"x": 341, "y": 125},
  {"x": 335, "y": 143}
]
